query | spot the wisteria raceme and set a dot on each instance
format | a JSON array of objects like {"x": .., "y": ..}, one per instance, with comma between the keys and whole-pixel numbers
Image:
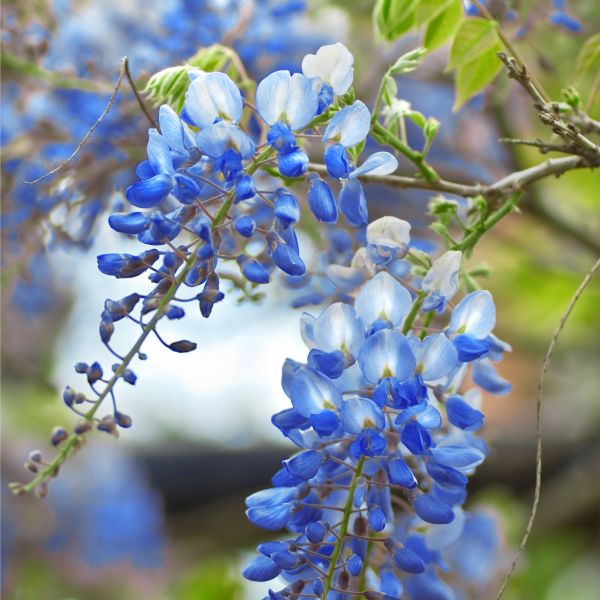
[
  {"x": 205, "y": 200},
  {"x": 387, "y": 434}
]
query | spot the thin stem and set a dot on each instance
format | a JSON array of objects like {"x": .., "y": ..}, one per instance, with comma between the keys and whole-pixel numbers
[
  {"x": 87, "y": 136},
  {"x": 538, "y": 460},
  {"x": 136, "y": 93},
  {"x": 472, "y": 238}
]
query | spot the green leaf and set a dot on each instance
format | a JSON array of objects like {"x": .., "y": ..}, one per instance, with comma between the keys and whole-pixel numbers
[
  {"x": 430, "y": 9},
  {"x": 407, "y": 62},
  {"x": 392, "y": 18},
  {"x": 443, "y": 27},
  {"x": 474, "y": 37},
  {"x": 588, "y": 57},
  {"x": 473, "y": 76}
]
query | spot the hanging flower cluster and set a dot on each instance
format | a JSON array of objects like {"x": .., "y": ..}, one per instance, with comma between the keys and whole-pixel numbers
[
  {"x": 386, "y": 425},
  {"x": 202, "y": 202}
]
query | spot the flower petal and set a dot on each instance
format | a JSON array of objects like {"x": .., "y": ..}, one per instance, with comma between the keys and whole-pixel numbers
[
  {"x": 383, "y": 297},
  {"x": 380, "y": 163}
]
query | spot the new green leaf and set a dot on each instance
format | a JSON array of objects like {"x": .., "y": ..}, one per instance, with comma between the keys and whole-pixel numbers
[
  {"x": 473, "y": 76},
  {"x": 473, "y": 38},
  {"x": 392, "y": 18},
  {"x": 443, "y": 27}
]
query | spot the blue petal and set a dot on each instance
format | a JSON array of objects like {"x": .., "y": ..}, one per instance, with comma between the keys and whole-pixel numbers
[
  {"x": 470, "y": 348},
  {"x": 349, "y": 126},
  {"x": 461, "y": 415},
  {"x": 416, "y": 438},
  {"x": 380, "y": 163},
  {"x": 458, "y": 457},
  {"x": 133, "y": 222},
  {"x": 386, "y": 354},
  {"x": 254, "y": 271},
  {"x": 150, "y": 192},
  {"x": 407, "y": 560},
  {"x": 292, "y": 164},
  {"x": 400, "y": 474},
  {"x": 330, "y": 364},
  {"x": 485, "y": 375},
  {"x": 376, "y": 517},
  {"x": 271, "y": 496},
  {"x": 336, "y": 161},
  {"x": 354, "y": 565},
  {"x": 244, "y": 225},
  {"x": 432, "y": 510},
  {"x": 383, "y": 297},
  {"x": 353, "y": 203},
  {"x": 304, "y": 465},
  {"x": 361, "y": 413},
  {"x": 286, "y": 207},
  {"x": 262, "y": 568},
  {"x": 321, "y": 200}
]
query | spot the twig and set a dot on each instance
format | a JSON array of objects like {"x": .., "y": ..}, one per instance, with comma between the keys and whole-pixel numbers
[
  {"x": 87, "y": 136},
  {"x": 504, "y": 186},
  {"x": 544, "y": 147},
  {"x": 548, "y": 113},
  {"x": 139, "y": 99},
  {"x": 538, "y": 461}
]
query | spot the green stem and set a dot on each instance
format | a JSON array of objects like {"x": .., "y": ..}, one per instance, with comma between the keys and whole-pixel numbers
[
  {"x": 381, "y": 134},
  {"x": 335, "y": 555},
  {"x": 426, "y": 323},
  {"x": 414, "y": 311},
  {"x": 473, "y": 237}
]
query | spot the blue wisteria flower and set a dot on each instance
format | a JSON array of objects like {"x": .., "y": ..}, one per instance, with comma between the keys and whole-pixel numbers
[{"x": 386, "y": 432}]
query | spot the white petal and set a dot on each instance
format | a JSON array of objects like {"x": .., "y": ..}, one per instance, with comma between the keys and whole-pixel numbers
[
  {"x": 332, "y": 64},
  {"x": 349, "y": 126},
  {"x": 272, "y": 95},
  {"x": 302, "y": 102},
  {"x": 380, "y": 163},
  {"x": 475, "y": 315},
  {"x": 443, "y": 275},
  {"x": 383, "y": 298}
]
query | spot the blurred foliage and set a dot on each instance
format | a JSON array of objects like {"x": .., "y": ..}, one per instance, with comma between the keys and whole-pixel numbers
[{"x": 213, "y": 579}]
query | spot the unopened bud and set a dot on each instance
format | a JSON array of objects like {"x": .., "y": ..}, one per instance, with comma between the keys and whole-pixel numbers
[
  {"x": 35, "y": 456},
  {"x": 122, "y": 419},
  {"x": 58, "y": 435},
  {"x": 82, "y": 426}
]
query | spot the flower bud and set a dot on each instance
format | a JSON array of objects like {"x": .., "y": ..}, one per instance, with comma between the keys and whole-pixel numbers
[{"x": 58, "y": 436}]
